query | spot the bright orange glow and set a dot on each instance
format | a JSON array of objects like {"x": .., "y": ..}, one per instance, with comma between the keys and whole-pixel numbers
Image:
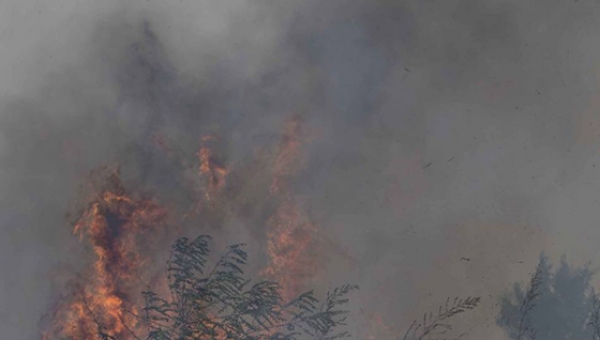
[
  {"x": 290, "y": 246},
  {"x": 114, "y": 223},
  {"x": 106, "y": 295},
  {"x": 211, "y": 170},
  {"x": 291, "y": 243}
]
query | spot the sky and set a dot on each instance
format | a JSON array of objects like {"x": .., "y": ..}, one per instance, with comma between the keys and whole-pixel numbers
[{"x": 443, "y": 131}]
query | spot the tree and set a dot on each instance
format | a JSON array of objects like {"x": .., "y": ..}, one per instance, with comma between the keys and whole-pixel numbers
[
  {"x": 594, "y": 322},
  {"x": 555, "y": 305},
  {"x": 216, "y": 301}
]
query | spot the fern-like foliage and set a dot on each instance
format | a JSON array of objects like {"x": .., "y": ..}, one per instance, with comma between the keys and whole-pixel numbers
[
  {"x": 437, "y": 324},
  {"x": 526, "y": 329},
  {"x": 517, "y": 309},
  {"x": 217, "y": 302}
]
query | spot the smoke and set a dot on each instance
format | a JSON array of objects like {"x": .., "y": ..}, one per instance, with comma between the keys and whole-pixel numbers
[{"x": 451, "y": 141}]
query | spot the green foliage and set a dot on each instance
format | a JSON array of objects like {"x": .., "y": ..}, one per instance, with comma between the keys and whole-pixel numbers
[{"x": 218, "y": 302}]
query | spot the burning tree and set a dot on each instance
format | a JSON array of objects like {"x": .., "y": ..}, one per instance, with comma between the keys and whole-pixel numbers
[
  {"x": 218, "y": 302},
  {"x": 200, "y": 299},
  {"x": 193, "y": 301},
  {"x": 115, "y": 223}
]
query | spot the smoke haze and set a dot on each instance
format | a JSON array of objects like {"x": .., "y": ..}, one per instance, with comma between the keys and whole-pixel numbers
[{"x": 450, "y": 141}]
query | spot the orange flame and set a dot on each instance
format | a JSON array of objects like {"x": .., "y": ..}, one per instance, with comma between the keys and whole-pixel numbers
[
  {"x": 211, "y": 169},
  {"x": 289, "y": 243},
  {"x": 105, "y": 299},
  {"x": 290, "y": 236},
  {"x": 379, "y": 330},
  {"x": 115, "y": 223},
  {"x": 288, "y": 157}
]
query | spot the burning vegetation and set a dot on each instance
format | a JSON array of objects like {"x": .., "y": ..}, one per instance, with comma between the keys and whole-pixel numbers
[
  {"x": 292, "y": 243},
  {"x": 211, "y": 170},
  {"x": 289, "y": 243},
  {"x": 115, "y": 225},
  {"x": 105, "y": 302},
  {"x": 123, "y": 296}
]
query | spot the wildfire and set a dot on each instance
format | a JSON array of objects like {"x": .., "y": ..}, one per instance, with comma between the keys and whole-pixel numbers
[
  {"x": 288, "y": 156},
  {"x": 378, "y": 328},
  {"x": 106, "y": 299},
  {"x": 104, "y": 302},
  {"x": 290, "y": 237},
  {"x": 211, "y": 169},
  {"x": 289, "y": 243}
]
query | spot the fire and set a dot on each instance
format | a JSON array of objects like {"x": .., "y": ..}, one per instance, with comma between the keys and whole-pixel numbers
[
  {"x": 379, "y": 330},
  {"x": 211, "y": 169},
  {"x": 288, "y": 157},
  {"x": 104, "y": 301},
  {"x": 291, "y": 244}
]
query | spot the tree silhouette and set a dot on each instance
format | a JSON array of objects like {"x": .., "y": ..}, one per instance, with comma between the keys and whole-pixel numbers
[
  {"x": 555, "y": 305},
  {"x": 215, "y": 301}
]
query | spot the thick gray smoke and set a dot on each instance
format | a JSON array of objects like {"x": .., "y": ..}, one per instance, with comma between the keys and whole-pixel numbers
[{"x": 454, "y": 140}]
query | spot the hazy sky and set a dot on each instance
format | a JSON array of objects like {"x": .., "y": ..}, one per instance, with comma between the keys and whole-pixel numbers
[{"x": 444, "y": 129}]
